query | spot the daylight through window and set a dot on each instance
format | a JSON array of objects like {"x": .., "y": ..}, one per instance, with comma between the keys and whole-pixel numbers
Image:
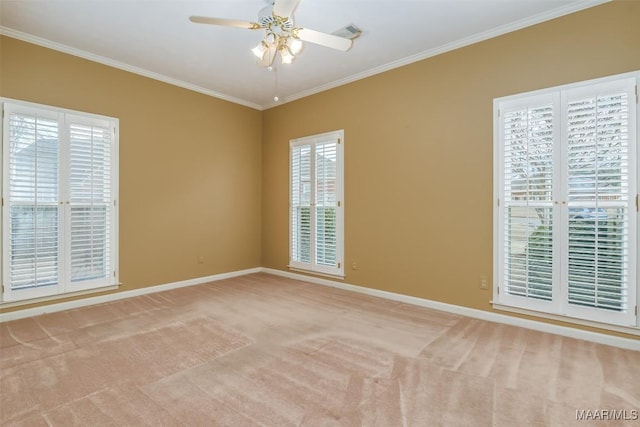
[
  {"x": 566, "y": 208},
  {"x": 59, "y": 213},
  {"x": 316, "y": 171}
]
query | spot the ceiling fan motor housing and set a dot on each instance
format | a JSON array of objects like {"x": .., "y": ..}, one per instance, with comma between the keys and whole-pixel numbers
[{"x": 267, "y": 19}]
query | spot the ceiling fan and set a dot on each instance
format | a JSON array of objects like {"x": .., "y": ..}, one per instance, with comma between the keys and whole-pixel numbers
[{"x": 282, "y": 36}]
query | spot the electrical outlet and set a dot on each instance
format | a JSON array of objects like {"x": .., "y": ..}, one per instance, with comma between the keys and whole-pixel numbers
[
  {"x": 200, "y": 259},
  {"x": 354, "y": 266},
  {"x": 484, "y": 283}
]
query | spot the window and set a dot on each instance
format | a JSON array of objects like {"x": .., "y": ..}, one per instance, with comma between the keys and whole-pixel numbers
[
  {"x": 316, "y": 213},
  {"x": 59, "y": 192},
  {"x": 566, "y": 189}
]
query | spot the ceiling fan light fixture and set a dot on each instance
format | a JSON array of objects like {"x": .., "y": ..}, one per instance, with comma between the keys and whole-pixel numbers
[
  {"x": 295, "y": 45},
  {"x": 260, "y": 49},
  {"x": 286, "y": 56}
]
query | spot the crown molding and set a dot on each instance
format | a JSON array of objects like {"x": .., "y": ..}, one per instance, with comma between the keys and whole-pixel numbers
[
  {"x": 476, "y": 38},
  {"x": 485, "y": 35},
  {"x": 29, "y": 38}
]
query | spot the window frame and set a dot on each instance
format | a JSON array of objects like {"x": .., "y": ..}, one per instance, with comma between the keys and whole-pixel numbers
[
  {"x": 65, "y": 118},
  {"x": 312, "y": 267},
  {"x": 559, "y": 307}
]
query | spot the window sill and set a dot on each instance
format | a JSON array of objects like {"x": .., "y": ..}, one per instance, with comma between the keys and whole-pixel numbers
[
  {"x": 18, "y": 303},
  {"x": 316, "y": 273},
  {"x": 631, "y": 330}
]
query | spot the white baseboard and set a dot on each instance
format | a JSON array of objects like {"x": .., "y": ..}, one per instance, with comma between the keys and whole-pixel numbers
[
  {"x": 68, "y": 305},
  {"x": 612, "y": 340},
  {"x": 596, "y": 337}
]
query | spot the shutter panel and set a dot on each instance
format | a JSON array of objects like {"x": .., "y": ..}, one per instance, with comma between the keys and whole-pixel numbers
[
  {"x": 90, "y": 202},
  {"x": 567, "y": 180},
  {"x": 33, "y": 247},
  {"x": 326, "y": 203},
  {"x": 301, "y": 203},
  {"x": 599, "y": 198},
  {"x": 59, "y": 184},
  {"x": 528, "y": 136},
  {"x": 316, "y": 217}
]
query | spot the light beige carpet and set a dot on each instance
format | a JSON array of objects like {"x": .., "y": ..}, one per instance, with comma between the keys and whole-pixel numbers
[{"x": 263, "y": 350}]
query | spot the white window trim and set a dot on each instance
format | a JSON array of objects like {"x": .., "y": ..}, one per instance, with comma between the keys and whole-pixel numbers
[
  {"x": 61, "y": 290},
  {"x": 542, "y": 308},
  {"x": 312, "y": 267}
]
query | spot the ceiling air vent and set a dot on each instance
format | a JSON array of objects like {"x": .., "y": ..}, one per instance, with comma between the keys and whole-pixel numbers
[{"x": 349, "y": 32}]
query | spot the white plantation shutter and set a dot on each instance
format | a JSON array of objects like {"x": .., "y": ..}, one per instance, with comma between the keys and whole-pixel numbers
[
  {"x": 301, "y": 203},
  {"x": 316, "y": 212},
  {"x": 326, "y": 203},
  {"x": 59, "y": 185},
  {"x": 528, "y": 138},
  {"x": 32, "y": 214},
  {"x": 566, "y": 182},
  {"x": 600, "y": 120},
  {"x": 90, "y": 202}
]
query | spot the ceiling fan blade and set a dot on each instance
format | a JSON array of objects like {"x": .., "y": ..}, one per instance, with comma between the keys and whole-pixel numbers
[
  {"x": 225, "y": 22},
  {"x": 284, "y": 8},
  {"x": 324, "y": 39},
  {"x": 268, "y": 57}
]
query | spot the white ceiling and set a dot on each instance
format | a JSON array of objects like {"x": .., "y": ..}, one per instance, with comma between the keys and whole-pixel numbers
[{"x": 155, "y": 38}]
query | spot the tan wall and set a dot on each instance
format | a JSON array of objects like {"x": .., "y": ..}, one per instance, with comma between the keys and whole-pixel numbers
[
  {"x": 195, "y": 179},
  {"x": 190, "y": 164},
  {"x": 418, "y": 151}
]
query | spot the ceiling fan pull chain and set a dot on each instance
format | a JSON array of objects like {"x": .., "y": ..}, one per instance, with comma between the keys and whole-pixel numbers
[{"x": 275, "y": 70}]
